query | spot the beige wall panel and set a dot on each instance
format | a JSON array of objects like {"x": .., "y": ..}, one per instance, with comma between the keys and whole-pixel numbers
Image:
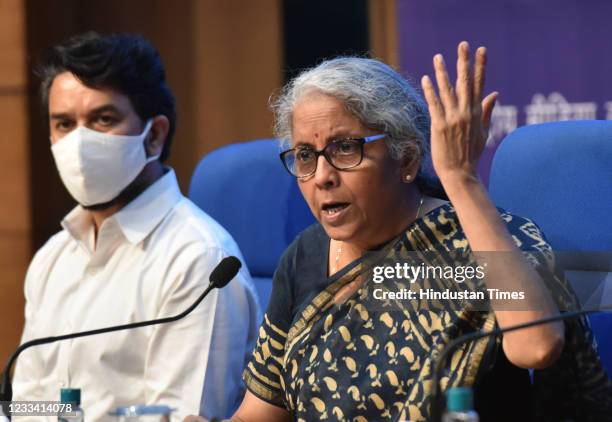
[
  {"x": 383, "y": 31},
  {"x": 14, "y": 174},
  {"x": 14, "y": 168},
  {"x": 12, "y": 45},
  {"x": 14, "y": 257},
  {"x": 238, "y": 64}
]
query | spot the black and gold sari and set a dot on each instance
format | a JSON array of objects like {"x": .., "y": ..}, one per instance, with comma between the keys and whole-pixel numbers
[{"x": 371, "y": 360}]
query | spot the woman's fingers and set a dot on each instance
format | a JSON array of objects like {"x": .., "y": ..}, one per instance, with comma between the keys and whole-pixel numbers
[
  {"x": 464, "y": 77},
  {"x": 462, "y": 111},
  {"x": 487, "y": 109},
  {"x": 480, "y": 64},
  {"x": 435, "y": 108},
  {"x": 447, "y": 96},
  {"x": 194, "y": 418}
]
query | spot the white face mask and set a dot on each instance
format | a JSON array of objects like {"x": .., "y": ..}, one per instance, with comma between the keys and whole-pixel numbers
[{"x": 95, "y": 167}]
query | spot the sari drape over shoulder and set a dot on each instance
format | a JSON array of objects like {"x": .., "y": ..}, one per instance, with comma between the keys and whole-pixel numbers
[{"x": 371, "y": 359}]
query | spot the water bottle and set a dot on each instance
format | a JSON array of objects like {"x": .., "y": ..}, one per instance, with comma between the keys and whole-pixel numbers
[
  {"x": 460, "y": 406},
  {"x": 72, "y": 398}
]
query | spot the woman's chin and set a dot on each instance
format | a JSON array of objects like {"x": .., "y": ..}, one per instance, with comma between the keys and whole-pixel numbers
[{"x": 339, "y": 234}]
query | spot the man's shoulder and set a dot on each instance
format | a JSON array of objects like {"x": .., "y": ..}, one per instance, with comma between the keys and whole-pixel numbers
[
  {"x": 190, "y": 234},
  {"x": 57, "y": 242},
  {"x": 188, "y": 224},
  {"x": 47, "y": 254}
]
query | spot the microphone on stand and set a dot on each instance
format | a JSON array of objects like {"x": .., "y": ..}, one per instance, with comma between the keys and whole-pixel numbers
[
  {"x": 220, "y": 276},
  {"x": 437, "y": 399}
]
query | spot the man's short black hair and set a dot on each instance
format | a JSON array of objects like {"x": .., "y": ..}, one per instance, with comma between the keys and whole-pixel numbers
[{"x": 126, "y": 63}]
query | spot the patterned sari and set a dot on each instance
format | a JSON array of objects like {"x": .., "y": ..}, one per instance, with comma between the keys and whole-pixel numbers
[{"x": 371, "y": 360}]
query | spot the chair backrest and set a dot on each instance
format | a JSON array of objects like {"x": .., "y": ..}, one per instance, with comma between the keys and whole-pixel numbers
[
  {"x": 560, "y": 175},
  {"x": 246, "y": 189}
]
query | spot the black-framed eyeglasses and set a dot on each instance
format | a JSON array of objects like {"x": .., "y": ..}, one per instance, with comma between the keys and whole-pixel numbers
[{"x": 341, "y": 154}]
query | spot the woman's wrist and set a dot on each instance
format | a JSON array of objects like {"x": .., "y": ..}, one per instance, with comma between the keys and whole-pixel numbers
[{"x": 456, "y": 182}]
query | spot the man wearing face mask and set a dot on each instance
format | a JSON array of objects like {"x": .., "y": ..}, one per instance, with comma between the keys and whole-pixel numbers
[{"x": 133, "y": 249}]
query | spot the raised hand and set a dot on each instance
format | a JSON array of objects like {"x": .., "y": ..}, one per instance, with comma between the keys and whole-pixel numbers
[{"x": 460, "y": 118}]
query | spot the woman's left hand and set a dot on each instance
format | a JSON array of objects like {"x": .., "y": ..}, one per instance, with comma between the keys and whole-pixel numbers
[
  {"x": 459, "y": 117},
  {"x": 459, "y": 128}
]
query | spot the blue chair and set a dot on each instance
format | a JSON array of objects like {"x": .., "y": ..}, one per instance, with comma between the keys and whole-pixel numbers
[
  {"x": 560, "y": 175},
  {"x": 246, "y": 189}
]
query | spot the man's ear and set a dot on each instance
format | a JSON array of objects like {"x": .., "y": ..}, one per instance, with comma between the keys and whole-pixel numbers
[{"x": 156, "y": 139}]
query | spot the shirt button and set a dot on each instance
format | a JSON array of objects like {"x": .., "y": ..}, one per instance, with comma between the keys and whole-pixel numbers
[{"x": 91, "y": 271}]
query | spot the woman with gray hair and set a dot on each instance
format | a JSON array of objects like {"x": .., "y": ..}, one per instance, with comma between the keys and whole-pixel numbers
[{"x": 334, "y": 343}]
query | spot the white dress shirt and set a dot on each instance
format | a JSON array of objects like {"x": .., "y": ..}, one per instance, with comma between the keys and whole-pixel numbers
[{"x": 152, "y": 259}]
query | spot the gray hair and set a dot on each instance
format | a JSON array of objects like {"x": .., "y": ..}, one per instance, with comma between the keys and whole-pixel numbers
[{"x": 375, "y": 94}]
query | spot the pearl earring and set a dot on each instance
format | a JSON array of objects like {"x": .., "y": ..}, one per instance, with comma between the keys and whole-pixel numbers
[{"x": 407, "y": 178}]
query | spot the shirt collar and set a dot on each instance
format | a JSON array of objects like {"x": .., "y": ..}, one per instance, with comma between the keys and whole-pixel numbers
[{"x": 138, "y": 218}]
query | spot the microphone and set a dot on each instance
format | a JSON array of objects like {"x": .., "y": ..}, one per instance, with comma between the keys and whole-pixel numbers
[
  {"x": 224, "y": 272},
  {"x": 437, "y": 402},
  {"x": 220, "y": 276}
]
